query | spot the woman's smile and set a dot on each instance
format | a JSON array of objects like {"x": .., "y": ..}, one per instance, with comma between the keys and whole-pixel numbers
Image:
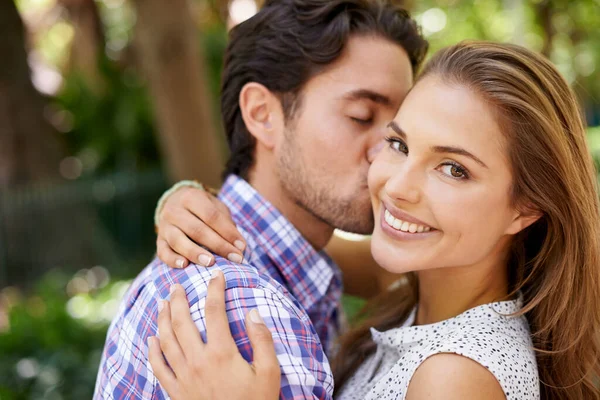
[{"x": 402, "y": 226}]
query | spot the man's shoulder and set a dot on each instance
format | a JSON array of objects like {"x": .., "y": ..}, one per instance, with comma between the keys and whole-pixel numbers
[
  {"x": 246, "y": 288},
  {"x": 158, "y": 278}
]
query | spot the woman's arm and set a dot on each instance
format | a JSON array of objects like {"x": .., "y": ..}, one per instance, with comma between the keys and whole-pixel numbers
[
  {"x": 453, "y": 377},
  {"x": 190, "y": 217}
]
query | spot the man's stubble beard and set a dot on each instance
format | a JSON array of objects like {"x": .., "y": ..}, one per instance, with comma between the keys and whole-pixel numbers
[{"x": 317, "y": 196}]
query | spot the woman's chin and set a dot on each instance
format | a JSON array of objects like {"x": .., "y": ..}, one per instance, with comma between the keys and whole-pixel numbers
[{"x": 393, "y": 259}]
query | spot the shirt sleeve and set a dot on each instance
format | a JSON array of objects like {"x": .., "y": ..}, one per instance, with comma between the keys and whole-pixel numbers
[
  {"x": 125, "y": 371},
  {"x": 305, "y": 370}
]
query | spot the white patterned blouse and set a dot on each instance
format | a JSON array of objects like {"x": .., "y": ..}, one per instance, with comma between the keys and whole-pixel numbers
[{"x": 484, "y": 334}]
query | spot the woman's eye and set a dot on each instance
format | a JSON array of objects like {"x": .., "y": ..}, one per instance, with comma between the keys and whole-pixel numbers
[
  {"x": 455, "y": 171},
  {"x": 397, "y": 144}
]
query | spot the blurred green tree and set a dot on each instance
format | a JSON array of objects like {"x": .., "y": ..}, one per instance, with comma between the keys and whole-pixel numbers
[
  {"x": 565, "y": 31},
  {"x": 32, "y": 152}
]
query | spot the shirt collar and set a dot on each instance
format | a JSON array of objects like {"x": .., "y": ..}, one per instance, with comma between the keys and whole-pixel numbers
[{"x": 308, "y": 272}]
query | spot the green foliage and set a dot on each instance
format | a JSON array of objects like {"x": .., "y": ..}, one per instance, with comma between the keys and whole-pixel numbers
[
  {"x": 110, "y": 128},
  {"x": 594, "y": 140},
  {"x": 213, "y": 42},
  {"x": 352, "y": 305},
  {"x": 594, "y": 143},
  {"x": 52, "y": 347},
  {"x": 570, "y": 33}
]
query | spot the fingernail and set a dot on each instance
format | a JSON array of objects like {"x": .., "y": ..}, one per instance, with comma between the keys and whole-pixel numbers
[
  {"x": 203, "y": 259},
  {"x": 256, "y": 318},
  {"x": 161, "y": 305},
  {"x": 172, "y": 289},
  {"x": 215, "y": 274},
  {"x": 236, "y": 258},
  {"x": 239, "y": 245},
  {"x": 150, "y": 339},
  {"x": 179, "y": 263}
]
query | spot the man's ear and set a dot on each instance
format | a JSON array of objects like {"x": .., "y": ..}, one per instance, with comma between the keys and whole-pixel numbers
[
  {"x": 262, "y": 113},
  {"x": 523, "y": 219}
]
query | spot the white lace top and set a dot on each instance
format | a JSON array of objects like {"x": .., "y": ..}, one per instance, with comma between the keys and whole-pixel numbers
[{"x": 484, "y": 334}]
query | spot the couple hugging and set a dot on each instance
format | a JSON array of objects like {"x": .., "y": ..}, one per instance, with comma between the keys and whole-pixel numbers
[{"x": 473, "y": 177}]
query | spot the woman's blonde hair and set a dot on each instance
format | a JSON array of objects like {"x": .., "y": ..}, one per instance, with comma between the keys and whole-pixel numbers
[{"x": 555, "y": 262}]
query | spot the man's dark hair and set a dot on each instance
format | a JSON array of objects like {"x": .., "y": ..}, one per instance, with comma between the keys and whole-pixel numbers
[{"x": 288, "y": 42}]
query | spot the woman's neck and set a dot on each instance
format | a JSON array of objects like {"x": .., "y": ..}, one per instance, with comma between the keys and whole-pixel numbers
[{"x": 447, "y": 292}]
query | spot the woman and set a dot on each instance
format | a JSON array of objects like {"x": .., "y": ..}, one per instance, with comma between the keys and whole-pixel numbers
[{"x": 486, "y": 197}]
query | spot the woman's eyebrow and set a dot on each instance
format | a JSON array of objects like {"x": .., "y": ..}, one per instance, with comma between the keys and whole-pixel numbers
[
  {"x": 440, "y": 149},
  {"x": 459, "y": 151},
  {"x": 394, "y": 126}
]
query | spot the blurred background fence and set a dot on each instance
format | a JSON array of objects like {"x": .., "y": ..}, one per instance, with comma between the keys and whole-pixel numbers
[
  {"x": 104, "y": 220},
  {"x": 104, "y": 103}
]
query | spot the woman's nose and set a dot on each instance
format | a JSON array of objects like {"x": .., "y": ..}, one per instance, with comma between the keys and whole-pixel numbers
[{"x": 405, "y": 184}]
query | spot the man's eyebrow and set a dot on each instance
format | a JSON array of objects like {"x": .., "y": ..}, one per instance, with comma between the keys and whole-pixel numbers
[
  {"x": 375, "y": 97},
  {"x": 440, "y": 149},
  {"x": 459, "y": 151}
]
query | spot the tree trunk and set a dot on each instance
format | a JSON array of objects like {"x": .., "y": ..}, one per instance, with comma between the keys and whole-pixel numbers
[
  {"x": 173, "y": 64},
  {"x": 221, "y": 7},
  {"x": 88, "y": 41},
  {"x": 30, "y": 148},
  {"x": 544, "y": 12}
]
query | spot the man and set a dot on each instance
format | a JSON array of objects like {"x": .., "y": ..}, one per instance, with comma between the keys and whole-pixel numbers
[{"x": 307, "y": 86}]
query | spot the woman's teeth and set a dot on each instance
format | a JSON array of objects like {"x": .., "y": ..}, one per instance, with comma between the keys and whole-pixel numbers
[{"x": 404, "y": 226}]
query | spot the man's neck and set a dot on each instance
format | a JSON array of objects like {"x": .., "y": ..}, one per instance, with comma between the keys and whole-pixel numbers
[{"x": 314, "y": 230}]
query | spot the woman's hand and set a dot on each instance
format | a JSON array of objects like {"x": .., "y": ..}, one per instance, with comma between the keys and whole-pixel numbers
[
  {"x": 192, "y": 217},
  {"x": 206, "y": 371}
]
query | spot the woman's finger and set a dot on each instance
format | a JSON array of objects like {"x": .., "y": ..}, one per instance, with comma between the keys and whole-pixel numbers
[
  {"x": 177, "y": 241},
  {"x": 180, "y": 243},
  {"x": 236, "y": 239},
  {"x": 210, "y": 211},
  {"x": 202, "y": 233},
  {"x": 168, "y": 341},
  {"x": 183, "y": 326},
  {"x": 168, "y": 256},
  {"x": 218, "y": 334},
  {"x": 265, "y": 358},
  {"x": 161, "y": 370}
]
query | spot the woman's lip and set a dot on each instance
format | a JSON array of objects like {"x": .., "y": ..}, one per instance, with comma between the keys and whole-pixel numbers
[
  {"x": 401, "y": 235},
  {"x": 399, "y": 214}
]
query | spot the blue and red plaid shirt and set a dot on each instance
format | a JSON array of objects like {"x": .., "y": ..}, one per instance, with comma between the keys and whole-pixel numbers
[{"x": 296, "y": 290}]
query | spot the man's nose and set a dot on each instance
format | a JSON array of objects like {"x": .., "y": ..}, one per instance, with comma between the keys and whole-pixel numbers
[{"x": 374, "y": 150}]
